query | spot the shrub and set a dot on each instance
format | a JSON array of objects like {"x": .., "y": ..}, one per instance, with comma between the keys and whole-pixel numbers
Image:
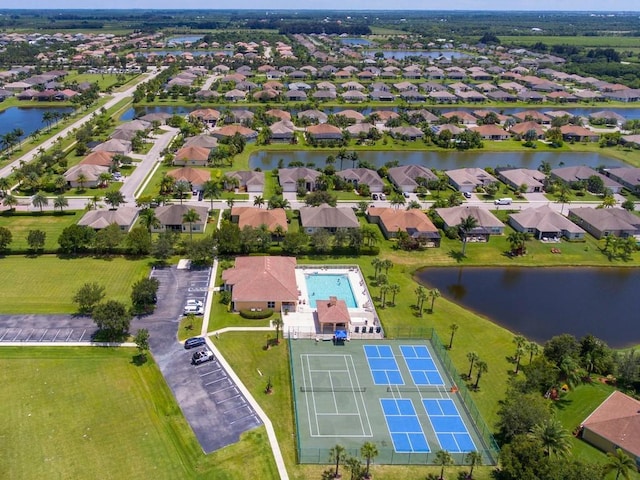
[
  {"x": 225, "y": 297},
  {"x": 251, "y": 315}
]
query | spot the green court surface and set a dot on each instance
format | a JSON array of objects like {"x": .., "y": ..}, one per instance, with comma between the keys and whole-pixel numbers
[{"x": 397, "y": 394}]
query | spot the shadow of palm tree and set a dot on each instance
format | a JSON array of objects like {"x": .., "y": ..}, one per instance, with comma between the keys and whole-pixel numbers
[{"x": 457, "y": 255}]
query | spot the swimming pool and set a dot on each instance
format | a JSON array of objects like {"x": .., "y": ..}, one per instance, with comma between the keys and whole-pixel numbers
[{"x": 322, "y": 286}]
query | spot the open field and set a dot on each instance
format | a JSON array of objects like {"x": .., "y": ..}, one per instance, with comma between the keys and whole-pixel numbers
[
  {"x": 98, "y": 415},
  {"x": 46, "y": 284},
  {"x": 52, "y": 224},
  {"x": 104, "y": 81},
  {"x": 612, "y": 41}
]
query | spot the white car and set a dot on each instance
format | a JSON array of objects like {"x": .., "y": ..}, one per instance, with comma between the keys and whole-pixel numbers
[
  {"x": 192, "y": 302},
  {"x": 201, "y": 357},
  {"x": 193, "y": 309}
]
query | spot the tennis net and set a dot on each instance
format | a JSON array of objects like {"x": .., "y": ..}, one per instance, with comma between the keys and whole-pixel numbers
[{"x": 333, "y": 389}]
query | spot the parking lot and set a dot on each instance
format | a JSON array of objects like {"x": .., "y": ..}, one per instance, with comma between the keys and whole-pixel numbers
[{"x": 46, "y": 328}]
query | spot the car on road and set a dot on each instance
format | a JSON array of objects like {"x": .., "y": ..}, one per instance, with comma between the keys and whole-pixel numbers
[
  {"x": 194, "y": 342},
  {"x": 193, "y": 310},
  {"x": 194, "y": 302},
  {"x": 201, "y": 356},
  {"x": 383, "y": 196},
  {"x": 503, "y": 201},
  {"x": 374, "y": 196},
  {"x": 406, "y": 194},
  {"x": 466, "y": 194}
]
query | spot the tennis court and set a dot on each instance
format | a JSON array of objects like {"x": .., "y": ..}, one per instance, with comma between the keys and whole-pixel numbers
[{"x": 395, "y": 394}]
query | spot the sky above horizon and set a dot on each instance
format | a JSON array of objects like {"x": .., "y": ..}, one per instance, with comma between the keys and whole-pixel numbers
[{"x": 351, "y": 5}]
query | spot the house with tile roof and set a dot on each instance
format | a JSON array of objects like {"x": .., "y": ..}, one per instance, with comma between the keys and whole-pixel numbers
[
  {"x": 544, "y": 223},
  {"x": 404, "y": 177},
  {"x": 327, "y": 218},
  {"x": 615, "y": 424},
  {"x": 332, "y": 314},
  {"x": 123, "y": 216},
  {"x": 470, "y": 178},
  {"x": 579, "y": 173},
  {"x": 414, "y": 222},
  {"x": 488, "y": 223},
  {"x": 265, "y": 282},
  {"x": 362, "y": 176},
  {"x": 196, "y": 177},
  {"x": 170, "y": 218},
  {"x": 194, "y": 156},
  {"x": 290, "y": 178},
  {"x": 517, "y": 177},
  {"x": 255, "y": 217},
  {"x": 602, "y": 222}
]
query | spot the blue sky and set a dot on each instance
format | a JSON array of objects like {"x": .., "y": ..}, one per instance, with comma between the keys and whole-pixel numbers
[{"x": 581, "y": 5}]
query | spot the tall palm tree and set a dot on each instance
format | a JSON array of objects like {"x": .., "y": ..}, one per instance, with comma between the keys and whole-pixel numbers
[
  {"x": 181, "y": 188},
  {"x": 5, "y": 185},
  {"x": 10, "y": 201},
  {"x": 211, "y": 189},
  {"x": 454, "y": 328},
  {"x": 369, "y": 451},
  {"x": 337, "y": 454},
  {"x": 533, "y": 349},
  {"x": 278, "y": 324},
  {"x": 433, "y": 294},
  {"x": 466, "y": 225},
  {"x": 519, "y": 342},
  {"x": 376, "y": 264},
  {"x": 481, "y": 367},
  {"x": 473, "y": 358},
  {"x": 620, "y": 463},
  {"x": 81, "y": 179},
  {"x": 148, "y": 219},
  {"x": 563, "y": 196},
  {"x": 394, "y": 288},
  {"x": 608, "y": 201},
  {"x": 190, "y": 217},
  {"x": 60, "y": 202},
  {"x": 444, "y": 459},
  {"x": 475, "y": 460},
  {"x": 40, "y": 200},
  {"x": 553, "y": 437}
]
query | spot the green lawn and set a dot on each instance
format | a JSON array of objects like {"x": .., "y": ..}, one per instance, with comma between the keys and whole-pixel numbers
[
  {"x": 46, "y": 284},
  {"x": 51, "y": 224},
  {"x": 95, "y": 414},
  {"x": 104, "y": 81}
]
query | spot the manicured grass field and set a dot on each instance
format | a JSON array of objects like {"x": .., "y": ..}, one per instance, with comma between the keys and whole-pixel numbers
[
  {"x": 104, "y": 81},
  {"x": 46, "y": 284},
  {"x": 92, "y": 413},
  {"x": 19, "y": 225}
]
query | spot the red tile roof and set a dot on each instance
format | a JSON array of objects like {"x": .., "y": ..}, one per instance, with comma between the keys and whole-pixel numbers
[{"x": 263, "y": 279}]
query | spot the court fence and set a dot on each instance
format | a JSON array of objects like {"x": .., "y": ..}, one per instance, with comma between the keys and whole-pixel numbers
[{"x": 386, "y": 453}]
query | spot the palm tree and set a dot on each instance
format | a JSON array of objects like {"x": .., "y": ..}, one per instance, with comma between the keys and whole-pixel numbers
[
  {"x": 444, "y": 459},
  {"x": 60, "y": 202},
  {"x": 481, "y": 367},
  {"x": 384, "y": 288},
  {"x": 608, "y": 201},
  {"x": 354, "y": 466},
  {"x": 337, "y": 454},
  {"x": 148, "y": 219},
  {"x": 553, "y": 437},
  {"x": 394, "y": 288},
  {"x": 5, "y": 185},
  {"x": 433, "y": 294},
  {"x": 40, "y": 200},
  {"x": 376, "y": 264},
  {"x": 190, "y": 217},
  {"x": 475, "y": 460},
  {"x": 258, "y": 201},
  {"x": 620, "y": 463},
  {"x": 47, "y": 118},
  {"x": 466, "y": 226},
  {"x": 181, "y": 188},
  {"x": 81, "y": 179},
  {"x": 520, "y": 342},
  {"x": 386, "y": 264},
  {"x": 10, "y": 201},
  {"x": 473, "y": 358},
  {"x": 454, "y": 328},
  {"x": 278, "y": 324},
  {"x": 369, "y": 451},
  {"x": 211, "y": 189},
  {"x": 422, "y": 296},
  {"x": 533, "y": 349},
  {"x": 563, "y": 196}
]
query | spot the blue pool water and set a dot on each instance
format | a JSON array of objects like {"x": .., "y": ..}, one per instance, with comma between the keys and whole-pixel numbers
[{"x": 322, "y": 286}]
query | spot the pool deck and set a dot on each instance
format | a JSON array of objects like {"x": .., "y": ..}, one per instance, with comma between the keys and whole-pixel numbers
[{"x": 303, "y": 323}]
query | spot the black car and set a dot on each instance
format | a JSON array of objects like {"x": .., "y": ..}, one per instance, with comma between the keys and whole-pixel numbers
[{"x": 193, "y": 342}]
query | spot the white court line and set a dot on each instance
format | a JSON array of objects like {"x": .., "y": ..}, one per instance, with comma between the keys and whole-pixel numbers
[
  {"x": 313, "y": 397},
  {"x": 354, "y": 394},
  {"x": 333, "y": 393},
  {"x": 328, "y": 371},
  {"x": 338, "y": 415},
  {"x": 306, "y": 394}
]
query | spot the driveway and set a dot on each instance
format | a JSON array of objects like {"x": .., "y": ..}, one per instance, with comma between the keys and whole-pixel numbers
[{"x": 211, "y": 402}]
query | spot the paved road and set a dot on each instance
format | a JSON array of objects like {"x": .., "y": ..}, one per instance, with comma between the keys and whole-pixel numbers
[
  {"x": 212, "y": 404},
  {"x": 47, "y": 144}
]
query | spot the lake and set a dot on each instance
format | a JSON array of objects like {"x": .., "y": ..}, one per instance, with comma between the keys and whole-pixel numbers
[
  {"x": 268, "y": 159},
  {"x": 542, "y": 302},
  {"x": 355, "y": 41},
  {"x": 402, "y": 54},
  {"x": 184, "y": 39},
  {"x": 136, "y": 112},
  {"x": 26, "y": 119}
]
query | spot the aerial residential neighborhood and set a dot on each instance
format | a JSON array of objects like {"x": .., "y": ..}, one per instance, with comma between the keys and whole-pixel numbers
[{"x": 319, "y": 244}]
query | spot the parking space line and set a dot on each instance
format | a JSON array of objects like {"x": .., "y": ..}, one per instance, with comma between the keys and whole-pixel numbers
[
  {"x": 242, "y": 418},
  {"x": 29, "y": 336},
  {"x": 208, "y": 373},
  {"x": 82, "y": 336},
  {"x": 226, "y": 388},
  {"x": 5, "y": 334},
  {"x": 68, "y": 336},
  {"x": 45, "y": 332},
  {"x": 226, "y": 400},
  {"x": 216, "y": 381},
  {"x": 17, "y": 334},
  {"x": 57, "y": 333},
  {"x": 235, "y": 408}
]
